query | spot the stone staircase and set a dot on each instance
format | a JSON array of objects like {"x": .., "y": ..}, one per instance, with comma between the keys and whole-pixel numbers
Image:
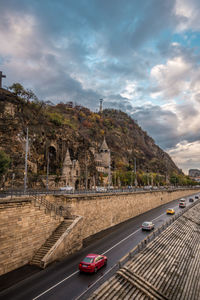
[{"x": 50, "y": 242}]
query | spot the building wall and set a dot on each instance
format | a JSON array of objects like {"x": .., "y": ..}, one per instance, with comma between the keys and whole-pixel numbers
[{"x": 23, "y": 230}]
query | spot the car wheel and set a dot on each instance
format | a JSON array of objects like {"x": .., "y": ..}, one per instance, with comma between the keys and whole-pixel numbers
[
  {"x": 105, "y": 262},
  {"x": 95, "y": 270}
]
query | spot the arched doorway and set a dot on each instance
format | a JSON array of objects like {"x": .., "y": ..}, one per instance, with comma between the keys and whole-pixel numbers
[{"x": 52, "y": 160}]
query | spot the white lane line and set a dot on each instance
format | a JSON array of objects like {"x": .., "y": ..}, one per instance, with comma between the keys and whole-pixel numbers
[
  {"x": 55, "y": 285},
  {"x": 102, "y": 254},
  {"x": 121, "y": 241},
  {"x": 94, "y": 283},
  {"x": 159, "y": 217}
]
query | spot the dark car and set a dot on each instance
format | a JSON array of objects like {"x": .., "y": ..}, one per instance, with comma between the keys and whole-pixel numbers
[
  {"x": 196, "y": 197},
  {"x": 191, "y": 200},
  {"x": 92, "y": 262}
]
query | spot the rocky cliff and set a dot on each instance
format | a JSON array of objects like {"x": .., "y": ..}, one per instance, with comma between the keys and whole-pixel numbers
[{"x": 54, "y": 128}]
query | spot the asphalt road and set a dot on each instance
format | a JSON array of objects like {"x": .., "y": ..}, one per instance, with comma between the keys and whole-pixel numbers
[{"x": 63, "y": 281}]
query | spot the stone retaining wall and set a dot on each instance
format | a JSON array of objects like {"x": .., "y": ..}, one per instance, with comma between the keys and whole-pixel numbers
[
  {"x": 102, "y": 211},
  {"x": 23, "y": 230}
]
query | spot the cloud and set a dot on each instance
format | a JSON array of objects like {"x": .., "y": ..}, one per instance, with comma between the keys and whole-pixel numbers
[
  {"x": 186, "y": 155},
  {"x": 139, "y": 56},
  {"x": 188, "y": 13}
]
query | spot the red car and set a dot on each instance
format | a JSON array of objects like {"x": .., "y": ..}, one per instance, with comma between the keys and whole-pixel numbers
[{"x": 92, "y": 262}]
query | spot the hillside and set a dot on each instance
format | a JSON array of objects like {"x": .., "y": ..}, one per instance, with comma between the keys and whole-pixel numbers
[{"x": 81, "y": 131}]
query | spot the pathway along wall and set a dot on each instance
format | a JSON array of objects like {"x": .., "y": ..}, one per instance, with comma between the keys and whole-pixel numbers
[{"x": 102, "y": 211}]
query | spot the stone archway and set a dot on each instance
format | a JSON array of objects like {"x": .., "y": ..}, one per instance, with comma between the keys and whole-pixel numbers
[
  {"x": 52, "y": 160},
  {"x": 77, "y": 184}
]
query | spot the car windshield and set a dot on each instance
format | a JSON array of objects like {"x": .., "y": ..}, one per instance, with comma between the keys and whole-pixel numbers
[
  {"x": 146, "y": 224},
  {"x": 88, "y": 259}
]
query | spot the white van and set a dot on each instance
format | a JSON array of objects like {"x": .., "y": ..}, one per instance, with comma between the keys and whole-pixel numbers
[{"x": 182, "y": 202}]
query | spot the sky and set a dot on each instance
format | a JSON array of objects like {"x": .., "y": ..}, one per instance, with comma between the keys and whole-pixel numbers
[{"x": 142, "y": 57}]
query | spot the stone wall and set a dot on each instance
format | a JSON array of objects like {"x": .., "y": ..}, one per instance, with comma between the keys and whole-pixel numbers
[
  {"x": 23, "y": 230},
  {"x": 101, "y": 211}
]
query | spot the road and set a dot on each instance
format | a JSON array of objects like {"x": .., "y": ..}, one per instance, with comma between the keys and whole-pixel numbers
[{"x": 63, "y": 281}]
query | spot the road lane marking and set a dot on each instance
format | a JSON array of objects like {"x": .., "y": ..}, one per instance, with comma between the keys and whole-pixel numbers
[
  {"x": 95, "y": 282},
  {"x": 121, "y": 241},
  {"x": 102, "y": 254},
  {"x": 55, "y": 285},
  {"x": 159, "y": 217}
]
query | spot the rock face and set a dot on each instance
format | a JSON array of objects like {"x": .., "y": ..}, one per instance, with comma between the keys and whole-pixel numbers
[{"x": 54, "y": 129}]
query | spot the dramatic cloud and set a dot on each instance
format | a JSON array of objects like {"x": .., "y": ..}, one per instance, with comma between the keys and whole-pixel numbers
[
  {"x": 140, "y": 56},
  {"x": 186, "y": 155}
]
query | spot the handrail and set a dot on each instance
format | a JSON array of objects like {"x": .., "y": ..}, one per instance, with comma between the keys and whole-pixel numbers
[{"x": 58, "y": 210}]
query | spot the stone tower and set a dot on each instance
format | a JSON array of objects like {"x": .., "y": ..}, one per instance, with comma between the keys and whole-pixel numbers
[
  {"x": 102, "y": 158},
  {"x": 67, "y": 165},
  {"x": 70, "y": 171}
]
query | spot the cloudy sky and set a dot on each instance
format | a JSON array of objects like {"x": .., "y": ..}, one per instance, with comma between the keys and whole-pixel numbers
[{"x": 142, "y": 57}]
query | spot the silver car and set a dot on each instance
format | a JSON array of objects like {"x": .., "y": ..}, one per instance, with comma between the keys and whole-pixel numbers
[{"x": 147, "y": 226}]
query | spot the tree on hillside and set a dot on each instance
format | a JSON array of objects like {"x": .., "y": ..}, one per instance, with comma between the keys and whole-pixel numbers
[
  {"x": 4, "y": 163},
  {"x": 20, "y": 91},
  {"x": 17, "y": 89}
]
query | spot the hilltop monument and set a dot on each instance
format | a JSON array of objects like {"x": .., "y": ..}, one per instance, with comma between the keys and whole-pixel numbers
[
  {"x": 1, "y": 76},
  {"x": 100, "y": 105}
]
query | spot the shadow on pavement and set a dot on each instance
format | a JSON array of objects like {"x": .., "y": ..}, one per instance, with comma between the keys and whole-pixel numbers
[{"x": 13, "y": 277}]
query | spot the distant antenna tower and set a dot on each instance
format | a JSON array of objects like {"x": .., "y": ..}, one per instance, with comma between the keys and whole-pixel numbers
[{"x": 101, "y": 105}]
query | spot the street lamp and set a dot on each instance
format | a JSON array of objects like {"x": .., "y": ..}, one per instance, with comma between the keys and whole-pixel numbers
[
  {"x": 13, "y": 177},
  {"x": 47, "y": 181},
  {"x": 26, "y": 157}
]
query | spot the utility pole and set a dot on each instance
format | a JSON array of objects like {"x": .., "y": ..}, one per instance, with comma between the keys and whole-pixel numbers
[
  {"x": 73, "y": 172},
  {"x": 26, "y": 156},
  {"x": 86, "y": 174},
  {"x": 47, "y": 182},
  {"x": 135, "y": 171},
  {"x": 109, "y": 173}
]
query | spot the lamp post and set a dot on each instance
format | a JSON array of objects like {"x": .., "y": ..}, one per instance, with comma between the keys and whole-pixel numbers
[
  {"x": 26, "y": 157},
  {"x": 13, "y": 177},
  {"x": 47, "y": 181},
  {"x": 135, "y": 171},
  {"x": 109, "y": 172}
]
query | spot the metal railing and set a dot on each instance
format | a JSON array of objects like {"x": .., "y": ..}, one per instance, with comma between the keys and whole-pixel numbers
[
  {"x": 50, "y": 207},
  {"x": 32, "y": 192}
]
